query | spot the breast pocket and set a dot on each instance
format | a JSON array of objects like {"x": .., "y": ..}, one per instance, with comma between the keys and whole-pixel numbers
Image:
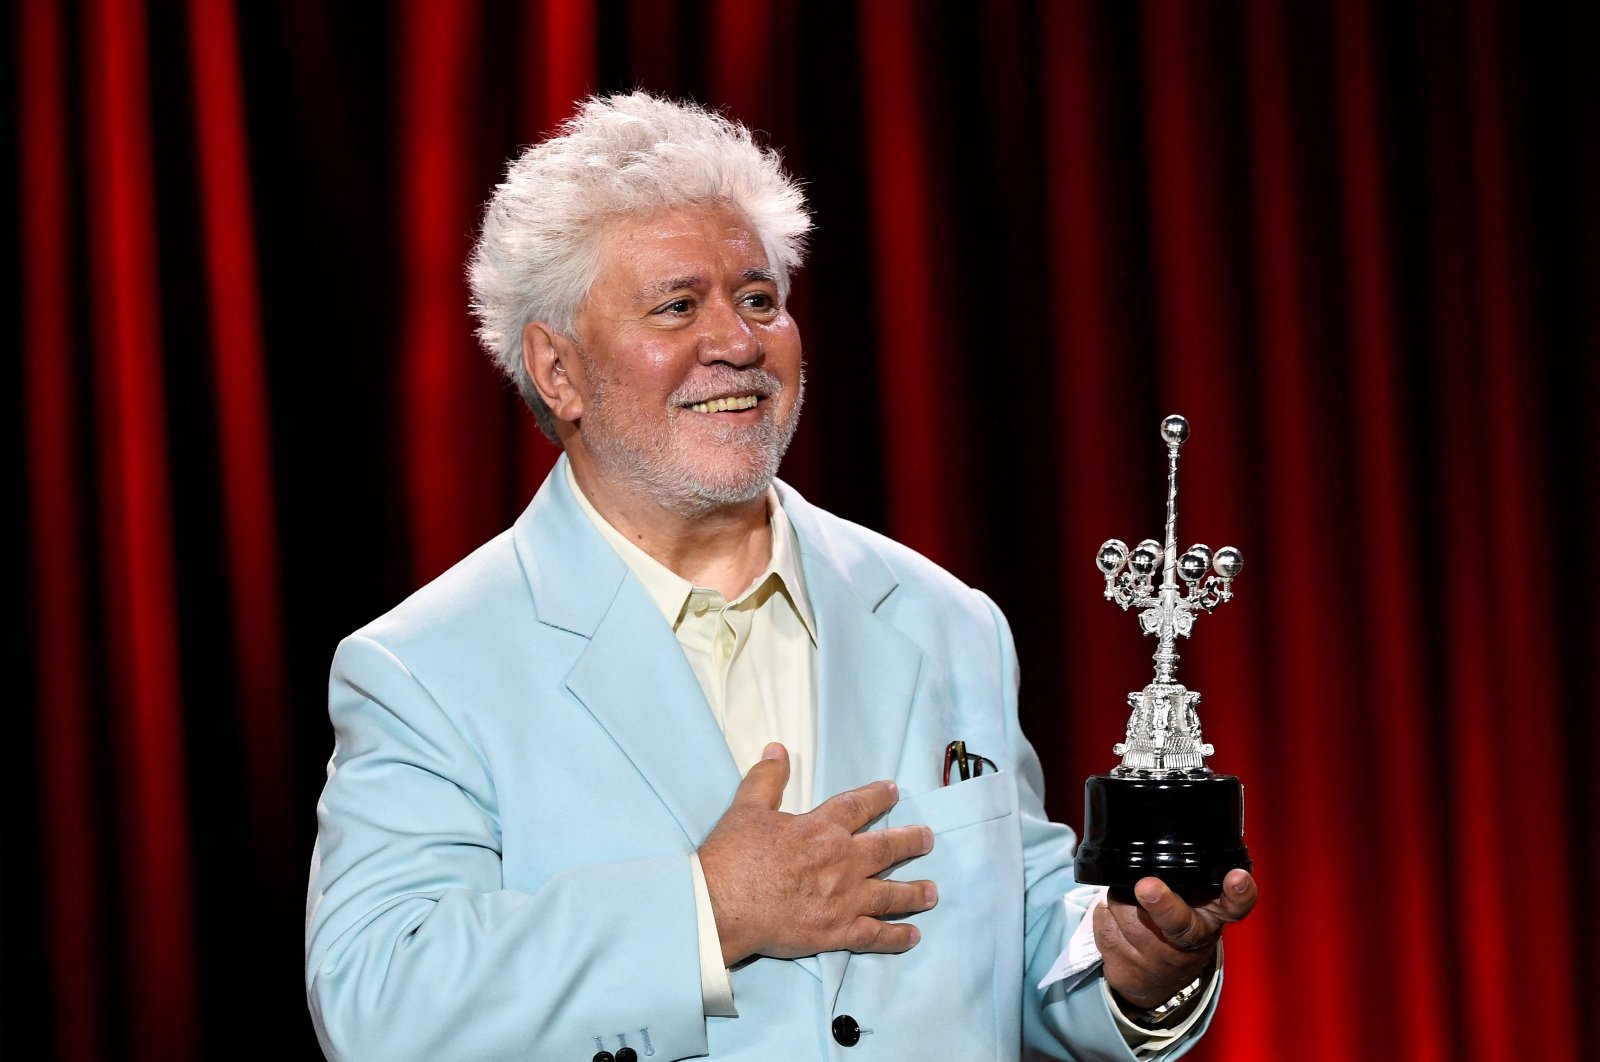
[
  {"x": 965, "y": 962},
  {"x": 976, "y": 845},
  {"x": 953, "y": 807}
]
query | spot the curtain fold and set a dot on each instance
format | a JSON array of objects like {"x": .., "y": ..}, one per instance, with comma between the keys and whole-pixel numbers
[
  {"x": 911, "y": 335},
  {"x": 138, "y": 569},
  {"x": 1353, "y": 243},
  {"x": 244, "y": 438},
  {"x": 58, "y": 541},
  {"x": 1414, "y": 980}
]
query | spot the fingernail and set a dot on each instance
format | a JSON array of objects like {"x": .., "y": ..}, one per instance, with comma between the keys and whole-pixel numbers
[
  {"x": 1241, "y": 886},
  {"x": 894, "y": 790},
  {"x": 916, "y": 935},
  {"x": 927, "y": 840},
  {"x": 1150, "y": 893},
  {"x": 930, "y": 894},
  {"x": 773, "y": 751}
]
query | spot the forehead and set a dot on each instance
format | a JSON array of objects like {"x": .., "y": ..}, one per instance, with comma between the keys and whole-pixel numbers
[{"x": 707, "y": 243}]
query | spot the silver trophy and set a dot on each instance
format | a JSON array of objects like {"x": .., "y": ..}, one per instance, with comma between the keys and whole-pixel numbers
[{"x": 1162, "y": 812}]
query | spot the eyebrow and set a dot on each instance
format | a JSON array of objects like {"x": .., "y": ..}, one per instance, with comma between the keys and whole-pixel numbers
[{"x": 662, "y": 288}]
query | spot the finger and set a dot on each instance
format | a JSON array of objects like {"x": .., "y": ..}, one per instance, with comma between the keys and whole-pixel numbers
[
  {"x": 1238, "y": 897},
  {"x": 885, "y": 848},
  {"x": 870, "y": 935},
  {"x": 1182, "y": 926},
  {"x": 763, "y": 783},
  {"x": 886, "y": 898},
  {"x": 854, "y": 808}
]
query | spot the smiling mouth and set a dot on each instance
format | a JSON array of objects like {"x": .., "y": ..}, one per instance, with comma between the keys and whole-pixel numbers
[{"x": 732, "y": 404}]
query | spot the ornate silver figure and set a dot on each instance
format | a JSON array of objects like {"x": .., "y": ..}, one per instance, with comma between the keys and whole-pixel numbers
[{"x": 1163, "y": 737}]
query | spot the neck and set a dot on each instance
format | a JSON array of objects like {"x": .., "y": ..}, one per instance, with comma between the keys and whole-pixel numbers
[{"x": 723, "y": 547}]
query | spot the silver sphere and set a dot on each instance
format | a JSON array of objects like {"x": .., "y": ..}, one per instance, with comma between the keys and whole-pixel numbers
[
  {"x": 1143, "y": 561},
  {"x": 1228, "y": 562},
  {"x": 1112, "y": 556},
  {"x": 1192, "y": 566},
  {"x": 1150, "y": 544},
  {"x": 1174, "y": 430},
  {"x": 1202, "y": 550}
]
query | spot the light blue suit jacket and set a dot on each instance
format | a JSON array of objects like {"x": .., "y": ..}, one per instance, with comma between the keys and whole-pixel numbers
[{"x": 524, "y": 761}]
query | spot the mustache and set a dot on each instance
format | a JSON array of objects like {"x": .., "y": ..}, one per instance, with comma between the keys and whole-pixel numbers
[{"x": 722, "y": 382}]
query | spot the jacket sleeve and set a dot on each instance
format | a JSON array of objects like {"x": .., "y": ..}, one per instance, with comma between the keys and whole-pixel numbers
[
  {"x": 1075, "y": 1023},
  {"x": 414, "y": 949}
]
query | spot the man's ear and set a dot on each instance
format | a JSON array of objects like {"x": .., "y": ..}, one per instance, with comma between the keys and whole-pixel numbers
[{"x": 547, "y": 356}]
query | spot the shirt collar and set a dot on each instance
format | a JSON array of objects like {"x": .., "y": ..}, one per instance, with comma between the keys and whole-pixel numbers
[{"x": 670, "y": 591}]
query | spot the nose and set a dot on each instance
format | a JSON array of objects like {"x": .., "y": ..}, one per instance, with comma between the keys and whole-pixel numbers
[{"x": 726, "y": 336}]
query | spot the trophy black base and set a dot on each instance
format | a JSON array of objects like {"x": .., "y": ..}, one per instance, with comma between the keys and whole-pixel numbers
[{"x": 1188, "y": 831}]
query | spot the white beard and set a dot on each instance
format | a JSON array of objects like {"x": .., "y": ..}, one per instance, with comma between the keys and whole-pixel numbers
[{"x": 727, "y": 465}]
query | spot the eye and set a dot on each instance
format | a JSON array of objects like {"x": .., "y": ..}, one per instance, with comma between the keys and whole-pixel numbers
[
  {"x": 759, "y": 300},
  {"x": 677, "y": 307}
]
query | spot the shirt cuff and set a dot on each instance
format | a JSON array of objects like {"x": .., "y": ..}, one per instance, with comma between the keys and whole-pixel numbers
[
  {"x": 1080, "y": 959},
  {"x": 716, "y": 991}
]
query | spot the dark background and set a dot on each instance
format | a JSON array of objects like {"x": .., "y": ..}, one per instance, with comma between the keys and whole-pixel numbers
[{"x": 1355, "y": 243}]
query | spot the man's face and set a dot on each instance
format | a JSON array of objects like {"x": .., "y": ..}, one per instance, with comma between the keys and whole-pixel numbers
[{"x": 689, "y": 368}]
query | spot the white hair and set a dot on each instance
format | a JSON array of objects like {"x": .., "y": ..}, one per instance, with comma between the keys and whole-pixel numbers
[{"x": 539, "y": 248}]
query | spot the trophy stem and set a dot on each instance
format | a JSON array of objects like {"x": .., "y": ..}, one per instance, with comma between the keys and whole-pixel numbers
[{"x": 1166, "y": 657}]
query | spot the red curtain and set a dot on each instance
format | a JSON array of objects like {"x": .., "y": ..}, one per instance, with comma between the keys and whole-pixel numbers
[{"x": 1355, "y": 243}]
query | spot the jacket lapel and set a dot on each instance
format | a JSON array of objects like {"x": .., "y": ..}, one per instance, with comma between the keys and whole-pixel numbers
[
  {"x": 866, "y": 678},
  {"x": 634, "y": 680},
  {"x": 866, "y": 671},
  {"x": 631, "y": 675}
]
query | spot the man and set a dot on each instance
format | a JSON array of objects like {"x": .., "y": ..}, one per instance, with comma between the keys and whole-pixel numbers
[{"x": 660, "y": 770}]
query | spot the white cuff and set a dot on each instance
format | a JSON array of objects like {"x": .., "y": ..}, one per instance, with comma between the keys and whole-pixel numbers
[
  {"x": 1081, "y": 957},
  {"x": 716, "y": 991}
]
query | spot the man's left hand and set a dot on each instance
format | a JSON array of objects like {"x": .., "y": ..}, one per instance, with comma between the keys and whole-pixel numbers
[{"x": 1154, "y": 943}]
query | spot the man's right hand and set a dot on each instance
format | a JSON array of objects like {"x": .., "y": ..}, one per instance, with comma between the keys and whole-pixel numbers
[{"x": 791, "y": 885}]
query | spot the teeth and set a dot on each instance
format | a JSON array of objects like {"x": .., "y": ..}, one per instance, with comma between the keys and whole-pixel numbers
[{"x": 722, "y": 405}]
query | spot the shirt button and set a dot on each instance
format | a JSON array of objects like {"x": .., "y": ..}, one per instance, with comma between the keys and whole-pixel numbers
[
  {"x": 698, "y": 604},
  {"x": 846, "y": 1031},
  {"x": 727, "y": 650}
]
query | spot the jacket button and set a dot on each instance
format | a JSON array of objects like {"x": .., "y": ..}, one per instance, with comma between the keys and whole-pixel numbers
[
  {"x": 846, "y": 1031},
  {"x": 627, "y": 1054},
  {"x": 603, "y": 1056}
]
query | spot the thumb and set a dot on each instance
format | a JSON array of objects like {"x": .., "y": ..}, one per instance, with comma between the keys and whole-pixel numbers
[{"x": 763, "y": 783}]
